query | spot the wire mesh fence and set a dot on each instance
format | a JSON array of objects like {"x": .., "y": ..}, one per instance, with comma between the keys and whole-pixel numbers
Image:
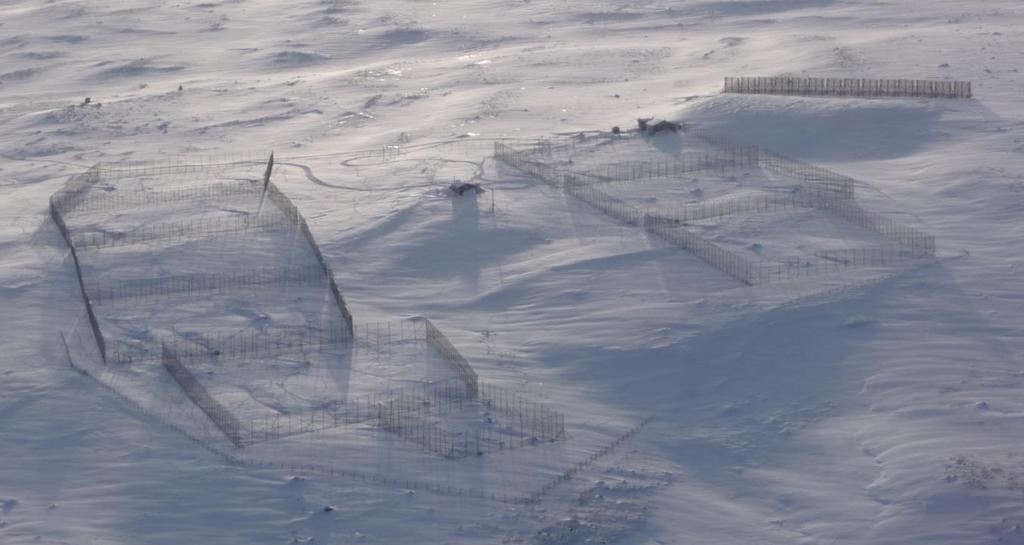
[
  {"x": 416, "y": 419},
  {"x": 538, "y": 160},
  {"x": 187, "y": 164},
  {"x": 730, "y": 263},
  {"x": 76, "y": 196},
  {"x": 525, "y": 161},
  {"x": 586, "y": 462},
  {"x": 436, "y": 339},
  {"x": 443, "y": 398},
  {"x": 216, "y": 442},
  {"x": 613, "y": 206},
  {"x": 79, "y": 363},
  {"x": 232, "y": 344},
  {"x": 751, "y": 204},
  {"x": 821, "y": 189},
  {"x": 535, "y": 421},
  {"x": 198, "y": 229},
  {"x": 328, "y": 333},
  {"x": 687, "y": 163},
  {"x": 221, "y": 417},
  {"x": 843, "y": 186},
  {"x": 508, "y": 421},
  {"x": 922, "y": 243},
  {"x": 499, "y": 419},
  {"x": 380, "y": 336},
  {"x": 856, "y": 87},
  {"x": 285, "y": 204},
  {"x": 64, "y": 200},
  {"x": 517, "y": 422},
  {"x": 830, "y": 262},
  {"x": 192, "y": 285},
  {"x": 121, "y": 200},
  {"x": 90, "y": 311},
  {"x": 875, "y": 255}
]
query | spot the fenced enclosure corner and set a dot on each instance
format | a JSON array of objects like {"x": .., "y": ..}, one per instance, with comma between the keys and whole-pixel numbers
[
  {"x": 198, "y": 284},
  {"x": 508, "y": 421},
  {"x": 221, "y": 417},
  {"x": 849, "y": 87},
  {"x": 187, "y": 164}
]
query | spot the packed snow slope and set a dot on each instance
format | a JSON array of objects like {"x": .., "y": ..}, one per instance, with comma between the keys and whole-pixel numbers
[{"x": 853, "y": 409}]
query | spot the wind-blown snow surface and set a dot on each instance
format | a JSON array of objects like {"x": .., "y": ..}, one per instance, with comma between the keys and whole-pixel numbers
[{"x": 877, "y": 411}]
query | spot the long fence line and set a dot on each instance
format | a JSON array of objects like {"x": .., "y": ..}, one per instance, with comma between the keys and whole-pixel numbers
[
  {"x": 190, "y": 164},
  {"x": 538, "y": 161},
  {"x": 855, "y": 87},
  {"x": 803, "y": 197},
  {"x": 217, "y": 413},
  {"x": 730, "y": 206},
  {"x": 688, "y": 162},
  {"x": 232, "y": 344},
  {"x": 200, "y": 228},
  {"x": 436, "y": 339},
  {"x": 203, "y": 283},
  {"x": 120, "y": 200},
  {"x": 378, "y": 336}
]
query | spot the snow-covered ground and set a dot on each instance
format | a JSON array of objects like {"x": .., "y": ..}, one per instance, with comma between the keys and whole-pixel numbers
[{"x": 866, "y": 407}]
